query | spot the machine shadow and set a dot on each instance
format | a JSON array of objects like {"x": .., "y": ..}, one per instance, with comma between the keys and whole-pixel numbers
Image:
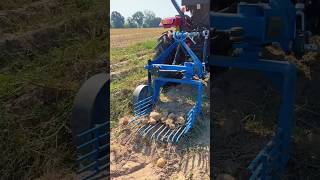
[{"x": 244, "y": 110}]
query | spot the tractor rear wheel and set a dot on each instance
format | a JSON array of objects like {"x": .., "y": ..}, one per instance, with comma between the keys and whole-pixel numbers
[
  {"x": 90, "y": 106},
  {"x": 164, "y": 42}
]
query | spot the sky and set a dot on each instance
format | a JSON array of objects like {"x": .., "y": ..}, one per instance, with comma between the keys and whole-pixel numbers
[{"x": 162, "y": 8}]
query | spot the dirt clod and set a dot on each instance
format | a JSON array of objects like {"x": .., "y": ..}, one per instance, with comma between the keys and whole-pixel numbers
[
  {"x": 181, "y": 120},
  {"x": 124, "y": 121},
  {"x": 161, "y": 162}
]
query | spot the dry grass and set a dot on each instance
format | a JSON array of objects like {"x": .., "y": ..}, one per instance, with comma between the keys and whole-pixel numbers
[
  {"x": 37, "y": 92},
  {"x": 122, "y": 38}
]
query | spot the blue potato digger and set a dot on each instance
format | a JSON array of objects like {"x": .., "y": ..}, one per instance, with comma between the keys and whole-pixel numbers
[{"x": 217, "y": 34}]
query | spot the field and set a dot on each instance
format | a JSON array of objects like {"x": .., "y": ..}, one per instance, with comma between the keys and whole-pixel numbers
[
  {"x": 121, "y": 38},
  {"x": 127, "y": 60},
  {"x": 48, "y": 48}
]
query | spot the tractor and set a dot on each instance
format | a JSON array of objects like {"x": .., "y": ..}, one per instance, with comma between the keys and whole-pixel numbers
[{"x": 218, "y": 35}]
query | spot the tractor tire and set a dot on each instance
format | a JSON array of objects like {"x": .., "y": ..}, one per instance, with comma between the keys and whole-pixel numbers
[
  {"x": 164, "y": 42},
  {"x": 90, "y": 106}
]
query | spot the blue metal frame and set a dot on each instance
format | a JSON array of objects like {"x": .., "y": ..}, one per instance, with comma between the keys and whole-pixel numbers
[
  {"x": 93, "y": 158},
  {"x": 254, "y": 19},
  {"x": 277, "y": 151},
  {"x": 195, "y": 67}
]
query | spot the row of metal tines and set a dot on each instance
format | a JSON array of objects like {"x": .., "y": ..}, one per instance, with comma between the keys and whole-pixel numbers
[{"x": 159, "y": 131}]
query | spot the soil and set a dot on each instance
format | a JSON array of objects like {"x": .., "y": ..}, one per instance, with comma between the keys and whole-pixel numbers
[
  {"x": 245, "y": 114},
  {"x": 133, "y": 157}
]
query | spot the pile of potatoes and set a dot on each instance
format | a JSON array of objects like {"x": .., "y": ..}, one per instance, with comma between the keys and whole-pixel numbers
[{"x": 170, "y": 119}]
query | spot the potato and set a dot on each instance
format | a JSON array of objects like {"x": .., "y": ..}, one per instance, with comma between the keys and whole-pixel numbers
[
  {"x": 152, "y": 121},
  {"x": 181, "y": 120},
  {"x": 161, "y": 162},
  {"x": 172, "y": 126},
  {"x": 169, "y": 121},
  {"x": 155, "y": 115}
]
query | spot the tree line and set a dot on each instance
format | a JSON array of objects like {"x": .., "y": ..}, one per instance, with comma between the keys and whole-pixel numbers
[{"x": 139, "y": 19}]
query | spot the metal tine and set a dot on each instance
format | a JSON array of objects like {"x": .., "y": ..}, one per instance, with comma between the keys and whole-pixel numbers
[
  {"x": 136, "y": 109},
  {"x": 182, "y": 132},
  {"x": 136, "y": 118},
  {"x": 156, "y": 131},
  {"x": 132, "y": 120},
  {"x": 190, "y": 115},
  {"x": 170, "y": 135},
  {"x": 164, "y": 136},
  {"x": 136, "y": 125},
  {"x": 142, "y": 114},
  {"x": 137, "y": 113},
  {"x": 152, "y": 126},
  {"x": 141, "y": 109},
  {"x": 141, "y": 128},
  {"x": 135, "y": 132},
  {"x": 142, "y": 102},
  {"x": 161, "y": 132},
  {"x": 175, "y": 134},
  {"x": 146, "y": 128},
  {"x": 145, "y": 99}
]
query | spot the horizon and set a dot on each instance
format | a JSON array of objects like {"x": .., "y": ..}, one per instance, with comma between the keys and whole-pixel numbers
[{"x": 167, "y": 9}]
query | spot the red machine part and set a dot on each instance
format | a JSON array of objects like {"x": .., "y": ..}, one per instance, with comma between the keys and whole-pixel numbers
[{"x": 170, "y": 22}]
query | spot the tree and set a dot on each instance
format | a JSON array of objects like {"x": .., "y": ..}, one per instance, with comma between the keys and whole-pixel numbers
[
  {"x": 117, "y": 20},
  {"x": 138, "y": 17},
  {"x": 131, "y": 23},
  {"x": 155, "y": 22},
  {"x": 150, "y": 19}
]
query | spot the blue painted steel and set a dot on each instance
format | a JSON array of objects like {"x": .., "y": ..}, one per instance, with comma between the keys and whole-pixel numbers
[
  {"x": 194, "y": 68},
  {"x": 93, "y": 158},
  {"x": 157, "y": 78},
  {"x": 144, "y": 107},
  {"x": 195, "y": 111},
  {"x": 254, "y": 19}
]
